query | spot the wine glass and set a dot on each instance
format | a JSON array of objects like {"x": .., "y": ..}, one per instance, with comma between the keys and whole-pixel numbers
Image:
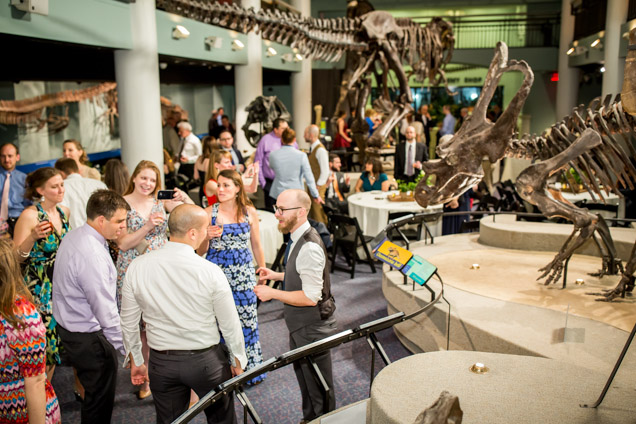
[{"x": 216, "y": 241}]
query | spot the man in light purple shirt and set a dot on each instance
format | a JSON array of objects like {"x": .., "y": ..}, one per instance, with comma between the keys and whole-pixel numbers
[
  {"x": 84, "y": 304},
  {"x": 268, "y": 144}
]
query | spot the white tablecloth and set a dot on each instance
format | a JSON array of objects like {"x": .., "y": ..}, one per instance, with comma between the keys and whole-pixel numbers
[
  {"x": 271, "y": 238},
  {"x": 372, "y": 210}
]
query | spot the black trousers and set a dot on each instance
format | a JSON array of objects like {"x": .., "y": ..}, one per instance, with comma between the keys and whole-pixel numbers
[
  {"x": 310, "y": 389},
  {"x": 172, "y": 377},
  {"x": 269, "y": 202},
  {"x": 95, "y": 360}
]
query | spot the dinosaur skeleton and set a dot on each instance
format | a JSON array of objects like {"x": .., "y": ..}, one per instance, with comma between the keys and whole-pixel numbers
[
  {"x": 29, "y": 111},
  {"x": 263, "y": 110},
  {"x": 595, "y": 141},
  {"x": 376, "y": 39}
]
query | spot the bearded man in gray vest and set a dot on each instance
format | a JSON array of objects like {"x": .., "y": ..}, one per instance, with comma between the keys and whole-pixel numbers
[{"x": 309, "y": 305}]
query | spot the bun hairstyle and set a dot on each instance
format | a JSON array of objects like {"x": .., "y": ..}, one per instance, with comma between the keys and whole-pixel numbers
[
  {"x": 37, "y": 179},
  {"x": 83, "y": 159}
]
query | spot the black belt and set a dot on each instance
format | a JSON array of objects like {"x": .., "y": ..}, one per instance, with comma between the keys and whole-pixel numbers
[{"x": 182, "y": 352}]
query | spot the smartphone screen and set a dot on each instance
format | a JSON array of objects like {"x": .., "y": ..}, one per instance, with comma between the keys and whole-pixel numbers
[{"x": 165, "y": 194}]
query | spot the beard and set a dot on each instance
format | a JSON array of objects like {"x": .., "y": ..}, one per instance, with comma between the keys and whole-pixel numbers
[{"x": 286, "y": 227}]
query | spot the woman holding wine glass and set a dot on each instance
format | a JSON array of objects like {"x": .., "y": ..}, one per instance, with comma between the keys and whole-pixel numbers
[
  {"x": 234, "y": 224},
  {"x": 38, "y": 234}
]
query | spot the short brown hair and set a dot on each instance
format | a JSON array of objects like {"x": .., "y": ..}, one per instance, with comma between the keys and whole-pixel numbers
[
  {"x": 37, "y": 179},
  {"x": 105, "y": 203},
  {"x": 67, "y": 166},
  {"x": 288, "y": 136}
]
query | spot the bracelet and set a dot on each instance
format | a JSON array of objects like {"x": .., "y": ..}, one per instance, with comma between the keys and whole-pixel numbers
[{"x": 23, "y": 254}]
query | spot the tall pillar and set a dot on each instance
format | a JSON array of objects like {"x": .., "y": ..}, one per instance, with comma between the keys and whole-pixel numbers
[
  {"x": 301, "y": 86},
  {"x": 614, "y": 65},
  {"x": 137, "y": 75},
  {"x": 568, "y": 85},
  {"x": 248, "y": 80}
]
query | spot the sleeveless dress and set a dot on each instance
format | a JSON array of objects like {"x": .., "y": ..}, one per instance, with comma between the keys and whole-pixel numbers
[
  {"x": 156, "y": 238},
  {"x": 38, "y": 277},
  {"x": 235, "y": 259},
  {"x": 22, "y": 354},
  {"x": 340, "y": 142}
]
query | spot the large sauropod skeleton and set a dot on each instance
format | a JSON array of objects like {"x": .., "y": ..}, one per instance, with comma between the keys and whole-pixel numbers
[
  {"x": 377, "y": 39},
  {"x": 594, "y": 140}
]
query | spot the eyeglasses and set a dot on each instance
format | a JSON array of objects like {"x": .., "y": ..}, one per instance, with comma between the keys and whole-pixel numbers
[
  {"x": 278, "y": 209},
  {"x": 225, "y": 138}
]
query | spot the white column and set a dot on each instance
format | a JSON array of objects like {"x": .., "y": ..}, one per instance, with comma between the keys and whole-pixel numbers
[
  {"x": 248, "y": 81},
  {"x": 568, "y": 85},
  {"x": 614, "y": 66},
  {"x": 137, "y": 75},
  {"x": 301, "y": 87}
]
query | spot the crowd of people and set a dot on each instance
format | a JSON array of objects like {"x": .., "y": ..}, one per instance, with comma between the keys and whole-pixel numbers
[{"x": 96, "y": 266}]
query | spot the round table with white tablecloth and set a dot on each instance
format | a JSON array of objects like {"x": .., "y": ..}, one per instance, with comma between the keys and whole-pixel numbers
[
  {"x": 372, "y": 210},
  {"x": 271, "y": 238}
]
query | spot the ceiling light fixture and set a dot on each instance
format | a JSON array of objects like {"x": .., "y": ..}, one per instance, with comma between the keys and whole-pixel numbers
[
  {"x": 602, "y": 68},
  {"x": 180, "y": 32},
  {"x": 298, "y": 57},
  {"x": 271, "y": 52},
  {"x": 237, "y": 45},
  {"x": 596, "y": 43},
  {"x": 570, "y": 51}
]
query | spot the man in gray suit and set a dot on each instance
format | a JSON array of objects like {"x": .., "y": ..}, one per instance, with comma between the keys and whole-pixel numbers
[
  {"x": 290, "y": 167},
  {"x": 308, "y": 303}
]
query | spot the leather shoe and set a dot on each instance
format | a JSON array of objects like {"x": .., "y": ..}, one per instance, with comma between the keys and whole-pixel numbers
[{"x": 143, "y": 394}]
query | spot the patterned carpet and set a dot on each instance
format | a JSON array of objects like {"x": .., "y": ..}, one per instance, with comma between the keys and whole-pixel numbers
[{"x": 277, "y": 399}]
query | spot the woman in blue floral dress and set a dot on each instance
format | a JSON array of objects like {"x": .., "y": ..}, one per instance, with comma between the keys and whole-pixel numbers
[
  {"x": 38, "y": 234},
  {"x": 235, "y": 224}
]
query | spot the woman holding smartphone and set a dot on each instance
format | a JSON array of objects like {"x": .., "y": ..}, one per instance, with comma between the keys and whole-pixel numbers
[
  {"x": 147, "y": 224},
  {"x": 38, "y": 234},
  {"x": 234, "y": 224}
]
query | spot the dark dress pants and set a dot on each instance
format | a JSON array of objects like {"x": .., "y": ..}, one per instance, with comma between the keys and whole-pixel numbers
[
  {"x": 95, "y": 360},
  {"x": 172, "y": 377},
  {"x": 269, "y": 201},
  {"x": 310, "y": 388}
]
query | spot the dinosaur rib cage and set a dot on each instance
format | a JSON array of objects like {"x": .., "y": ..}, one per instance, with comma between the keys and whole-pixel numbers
[{"x": 608, "y": 163}]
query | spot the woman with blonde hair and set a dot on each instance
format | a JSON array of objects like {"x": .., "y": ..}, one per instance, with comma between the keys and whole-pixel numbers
[
  {"x": 234, "y": 224},
  {"x": 26, "y": 393},
  {"x": 73, "y": 149},
  {"x": 147, "y": 226},
  {"x": 38, "y": 234}
]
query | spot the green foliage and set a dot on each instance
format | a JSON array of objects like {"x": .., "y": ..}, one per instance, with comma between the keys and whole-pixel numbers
[{"x": 404, "y": 187}]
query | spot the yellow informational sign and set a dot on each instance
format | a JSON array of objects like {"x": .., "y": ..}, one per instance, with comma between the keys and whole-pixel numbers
[{"x": 392, "y": 254}]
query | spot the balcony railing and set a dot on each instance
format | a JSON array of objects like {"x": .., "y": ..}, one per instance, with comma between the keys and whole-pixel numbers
[{"x": 516, "y": 30}]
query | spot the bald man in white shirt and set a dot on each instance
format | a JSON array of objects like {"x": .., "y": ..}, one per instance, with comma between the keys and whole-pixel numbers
[{"x": 182, "y": 297}]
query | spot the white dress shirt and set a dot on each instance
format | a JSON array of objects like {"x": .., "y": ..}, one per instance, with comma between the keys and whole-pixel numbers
[
  {"x": 322, "y": 155},
  {"x": 310, "y": 263},
  {"x": 192, "y": 148},
  {"x": 182, "y": 297},
  {"x": 76, "y": 195}
]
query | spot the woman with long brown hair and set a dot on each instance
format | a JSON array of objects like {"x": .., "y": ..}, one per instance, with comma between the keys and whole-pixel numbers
[
  {"x": 38, "y": 234},
  {"x": 73, "y": 149},
  {"x": 373, "y": 177},
  {"x": 26, "y": 393},
  {"x": 116, "y": 176},
  {"x": 147, "y": 226},
  {"x": 234, "y": 224}
]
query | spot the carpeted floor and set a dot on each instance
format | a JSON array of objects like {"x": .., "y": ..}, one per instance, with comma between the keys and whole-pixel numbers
[{"x": 277, "y": 399}]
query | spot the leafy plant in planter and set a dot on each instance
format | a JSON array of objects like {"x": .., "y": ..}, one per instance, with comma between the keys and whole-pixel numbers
[{"x": 405, "y": 187}]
